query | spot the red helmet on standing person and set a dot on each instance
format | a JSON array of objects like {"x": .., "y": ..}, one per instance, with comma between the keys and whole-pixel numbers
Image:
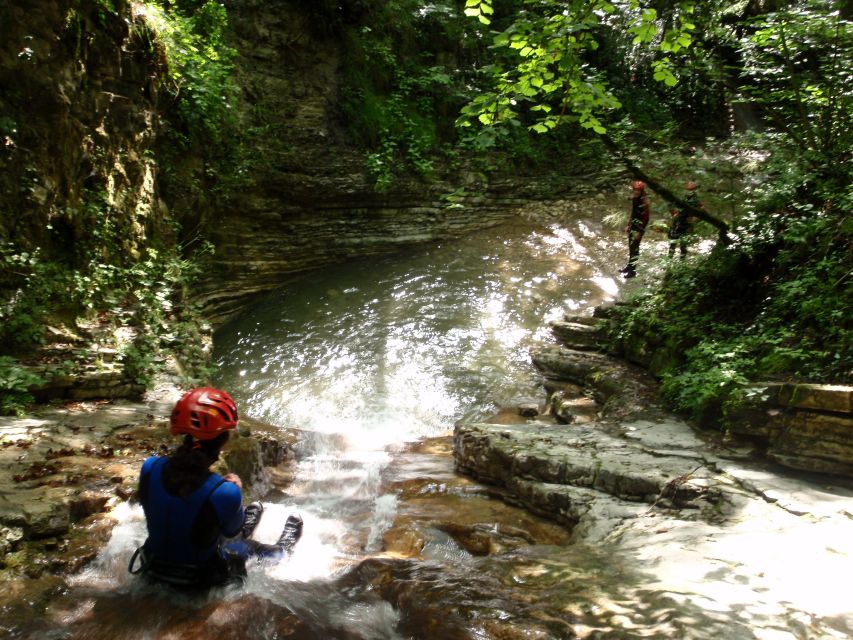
[
  {"x": 691, "y": 186},
  {"x": 638, "y": 184},
  {"x": 204, "y": 413}
]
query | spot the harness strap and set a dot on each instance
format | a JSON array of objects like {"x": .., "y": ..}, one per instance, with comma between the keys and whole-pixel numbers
[{"x": 143, "y": 562}]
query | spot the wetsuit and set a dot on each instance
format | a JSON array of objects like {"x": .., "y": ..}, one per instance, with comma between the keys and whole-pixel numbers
[
  {"x": 681, "y": 225},
  {"x": 186, "y": 544},
  {"x": 185, "y": 535},
  {"x": 636, "y": 228}
]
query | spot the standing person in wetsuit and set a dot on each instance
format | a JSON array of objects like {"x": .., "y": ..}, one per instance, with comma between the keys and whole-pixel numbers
[
  {"x": 682, "y": 221},
  {"x": 637, "y": 222},
  {"x": 191, "y": 511}
]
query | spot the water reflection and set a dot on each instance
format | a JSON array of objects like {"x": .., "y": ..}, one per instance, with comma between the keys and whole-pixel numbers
[{"x": 391, "y": 349}]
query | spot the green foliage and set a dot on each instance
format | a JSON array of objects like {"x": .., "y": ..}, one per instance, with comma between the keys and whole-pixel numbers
[
  {"x": 716, "y": 370},
  {"x": 406, "y": 137},
  {"x": 156, "y": 291},
  {"x": 200, "y": 65},
  {"x": 106, "y": 276},
  {"x": 774, "y": 305},
  {"x": 15, "y": 382},
  {"x": 480, "y": 9},
  {"x": 546, "y": 77},
  {"x": 20, "y": 313},
  {"x": 400, "y": 87},
  {"x": 798, "y": 61},
  {"x": 140, "y": 360},
  {"x": 201, "y": 121}
]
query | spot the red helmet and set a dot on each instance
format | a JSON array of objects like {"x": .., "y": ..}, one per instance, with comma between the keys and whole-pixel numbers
[
  {"x": 638, "y": 184},
  {"x": 691, "y": 186},
  {"x": 204, "y": 413}
]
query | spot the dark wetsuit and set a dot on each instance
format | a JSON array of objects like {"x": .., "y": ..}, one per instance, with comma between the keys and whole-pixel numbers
[
  {"x": 185, "y": 534},
  {"x": 680, "y": 227},
  {"x": 636, "y": 228}
]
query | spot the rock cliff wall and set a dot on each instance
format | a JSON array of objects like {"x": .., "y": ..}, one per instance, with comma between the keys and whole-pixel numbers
[
  {"x": 311, "y": 202},
  {"x": 78, "y": 116},
  {"x": 84, "y": 110}
]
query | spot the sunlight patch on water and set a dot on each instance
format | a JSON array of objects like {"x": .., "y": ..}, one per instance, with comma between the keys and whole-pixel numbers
[
  {"x": 370, "y": 416},
  {"x": 562, "y": 240},
  {"x": 607, "y": 285}
]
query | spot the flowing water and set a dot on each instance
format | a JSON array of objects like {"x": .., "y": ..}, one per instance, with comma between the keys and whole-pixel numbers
[
  {"x": 367, "y": 358},
  {"x": 384, "y": 351}
]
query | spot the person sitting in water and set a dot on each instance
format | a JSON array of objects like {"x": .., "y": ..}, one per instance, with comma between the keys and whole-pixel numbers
[{"x": 191, "y": 511}]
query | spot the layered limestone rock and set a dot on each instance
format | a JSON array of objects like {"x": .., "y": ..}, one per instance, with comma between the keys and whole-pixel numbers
[
  {"x": 579, "y": 332},
  {"x": 803, "y": 426},
  {"x": 593, "y": 468},
  {"x": 798, "y": 424},
  {"x": 310, "y": 201},
  {"x": 743, "y": 546}
]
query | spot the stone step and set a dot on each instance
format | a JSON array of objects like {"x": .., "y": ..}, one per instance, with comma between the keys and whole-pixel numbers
[
  {"x": 580, "y": 335},
  {"x": 108, "y": 382},
  {"x": 803, "y": 426},
  {"x": 833, "y": 398},
  {"x": 582, "y": 456}
]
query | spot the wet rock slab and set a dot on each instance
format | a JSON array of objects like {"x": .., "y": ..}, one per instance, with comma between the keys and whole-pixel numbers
[
  {"x": 803, "y": 426},
  {"x": 700, "y": 533}
]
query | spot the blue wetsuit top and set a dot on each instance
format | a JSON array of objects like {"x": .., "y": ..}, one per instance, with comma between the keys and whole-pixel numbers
[{"x": 188, "y": 531}]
